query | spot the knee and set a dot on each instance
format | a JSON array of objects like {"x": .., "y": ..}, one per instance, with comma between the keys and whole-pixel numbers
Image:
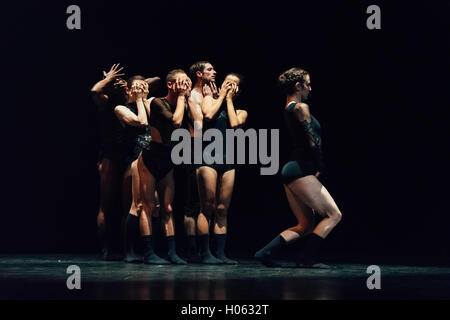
[
  {"x": 209, "y": 207},
  {"x": 140, "y": 207},
  {"x": 303, "y": 229},
  {"x": 148, "y": 208},
  {"x": 221, "y": 211},
  {"x": 166, "y": 209}
]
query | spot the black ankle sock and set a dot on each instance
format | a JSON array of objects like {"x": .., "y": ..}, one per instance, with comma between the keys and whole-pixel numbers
[
  {"x": 191, "y": 245},
  {"x": 204, "y": 245},
  {"x": 156, "y": 227},
  {"x": 132, "y": 229},
  {"x": 148, "y": 245},
  {"x": 171, "y": 245},
  {"x": 309, "y": 253},
  {"x": 277, "y": 242},
  {"x": 220, "y": 240},
  {"x": 172, "y": 253}
]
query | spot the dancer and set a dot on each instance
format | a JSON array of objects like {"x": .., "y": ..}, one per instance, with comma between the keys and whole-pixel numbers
[
  {"x": 134, "y": 138},
  {"x": 304, "y": 191},
  {"x": 216, "y": 181},
  {"x": 155, "y": 164},
  {"x": 106, "y": 94},
  {"x": 205, "y": 75}
]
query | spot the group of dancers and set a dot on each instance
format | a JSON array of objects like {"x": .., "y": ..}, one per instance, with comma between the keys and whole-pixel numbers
[{"x": 135, "y": 162}]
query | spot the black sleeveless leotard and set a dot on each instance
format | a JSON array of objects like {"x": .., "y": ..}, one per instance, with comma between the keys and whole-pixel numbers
[
  {"x": 157, "y": 158},
  {"x": 132, "y": 140},
  {"x": 110, "y": 128},
  {"x": 221, "y": 123},
  {"x": 306, "y": 157}
]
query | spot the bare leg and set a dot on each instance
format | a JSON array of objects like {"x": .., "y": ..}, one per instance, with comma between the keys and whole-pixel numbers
[
  {"x": 147, "y": 194},
  {"x": 191, "y": 211},
  {"x": 305, "y": 224},
  {"x": 225, "y": 191},
  {"x": 304, "y": 216},
  {"x": 207, "y": 184},
  {"x": 109, "y": 182},
  {"x": 312, "y": 193},
  {"x": 166, "y": 191}
]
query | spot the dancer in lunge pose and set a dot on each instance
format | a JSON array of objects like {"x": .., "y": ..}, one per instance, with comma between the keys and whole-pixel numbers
[
  {"x": 304, "y": 191},
  {"x": 216, "y": 180}
]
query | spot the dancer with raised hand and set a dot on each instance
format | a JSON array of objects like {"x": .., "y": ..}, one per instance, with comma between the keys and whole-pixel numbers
[
  {"x": 107, "y": 93},
  {"x": 204, "y": 74},
  {"x": 134, "y": 137},
  {"x": 304, "y": 191},
  {"x": 155, "y": 165},
  {"x": 216, "y": 180}
]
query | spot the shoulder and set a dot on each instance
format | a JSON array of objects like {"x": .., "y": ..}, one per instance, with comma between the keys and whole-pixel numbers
[
  {"x": 157, "y": 102},
  {"x": 301, "y": 111},
  {"x": 301, "y": 107},
  {"x": 196, "y": 95},
  {"x": 120, "y": 108}
]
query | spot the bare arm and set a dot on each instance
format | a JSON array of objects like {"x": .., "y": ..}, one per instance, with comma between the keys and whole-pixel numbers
[
  {"x": 98, "y": 88},
  {"x": 236, "y": 118},
  {"x": 127, "y": 117},
  {"x": 210, "y": 106},
  {"x": 194, "y": 109}
]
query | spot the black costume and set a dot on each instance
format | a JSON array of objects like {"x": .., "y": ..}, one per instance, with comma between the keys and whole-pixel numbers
[
  {"x": 131, "y": 140},
  {"x": 110, "y": 128},
  {"x": 306, "y": 157},
  {"x": 221, "y": 123},
  {"x": 157, "y": 158}
]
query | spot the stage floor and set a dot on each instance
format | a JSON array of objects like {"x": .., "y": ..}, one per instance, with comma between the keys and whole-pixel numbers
[{"x": 44, "y": 277}]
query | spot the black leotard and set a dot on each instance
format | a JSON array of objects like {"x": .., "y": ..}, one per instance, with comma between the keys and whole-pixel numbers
[
  {"x": 110, "y": 128},
  {"x": 221, "y": 123},
  {"x": 306, "y": 157},
  {"x": 161, "y": 119},
  {"x": 157, "y": 158},
  {"x": 132, "y": 140}
]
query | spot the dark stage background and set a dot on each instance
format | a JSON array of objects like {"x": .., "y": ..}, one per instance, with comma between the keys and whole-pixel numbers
[{"x": 380, "y": 95}]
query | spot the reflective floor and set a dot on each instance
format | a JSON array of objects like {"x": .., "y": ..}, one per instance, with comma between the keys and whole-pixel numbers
[{"x": 45, "y": 277}]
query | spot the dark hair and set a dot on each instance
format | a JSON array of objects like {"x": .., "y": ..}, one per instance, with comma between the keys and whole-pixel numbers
[
  {"x": 133, "y": 78},
  {"x": 171, "y": 75},
  {"x": 289, "y": 78},
  {"x": 115, "y": 92},
  {"x": 198, "y": 66}
]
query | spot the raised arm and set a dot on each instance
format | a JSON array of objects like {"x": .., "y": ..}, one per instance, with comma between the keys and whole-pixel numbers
[
  {"x": 315, "y": 142},
  {"x": 98, "y": 89},
  {"x": 210, "y": 106},
  {"x": 236, "y": 117},
  {"x": 126, "y": 116}
]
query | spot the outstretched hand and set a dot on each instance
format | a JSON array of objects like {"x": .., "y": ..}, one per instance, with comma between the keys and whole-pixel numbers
[{"x": 113, "y": 72}]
